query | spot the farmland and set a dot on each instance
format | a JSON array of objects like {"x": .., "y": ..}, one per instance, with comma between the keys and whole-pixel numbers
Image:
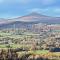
[
  {"x": 29, "y": 42},
  {"x": 12, "y": 37}
]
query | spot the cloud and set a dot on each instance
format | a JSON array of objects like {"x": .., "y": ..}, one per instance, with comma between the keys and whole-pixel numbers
[
  {"x": 51, "y": 11},
  {"x": 34, "y": 10},
  {"x": 38, "y": 10},
  {"x": 57, "y": 10}
]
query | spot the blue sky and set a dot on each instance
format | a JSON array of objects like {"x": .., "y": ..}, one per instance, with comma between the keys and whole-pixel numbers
[{"x": 16, "y": 8}]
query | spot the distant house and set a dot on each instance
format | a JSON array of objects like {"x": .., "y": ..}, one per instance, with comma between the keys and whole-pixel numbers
[
  {"x": 54, "y": 50},
  {"x": 4, "y": 41}
]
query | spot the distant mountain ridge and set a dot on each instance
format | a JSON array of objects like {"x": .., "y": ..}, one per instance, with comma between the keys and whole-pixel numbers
[{"x": 28, "y": 20}]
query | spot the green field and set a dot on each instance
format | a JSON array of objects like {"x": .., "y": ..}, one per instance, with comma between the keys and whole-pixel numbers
[
  {"x": 16, "y": 36},
  {"x": 13, "y": 46},
  {"x": 40, "y": 52}
]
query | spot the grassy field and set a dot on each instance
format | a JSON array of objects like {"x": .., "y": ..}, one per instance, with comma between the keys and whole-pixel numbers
[
  {"x": 46, "y": 53},
  {"x": 10, "y": 35},
  {"x": 13, "y": 46},
  {"x": 40, "y": 52},
  {"x": 36, "y": 52},
  {"x": 43, "y": 53},
  {"x": 14, "y": 36}
]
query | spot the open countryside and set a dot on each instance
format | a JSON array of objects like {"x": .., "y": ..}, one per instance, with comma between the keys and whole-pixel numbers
[{"x": 29, "y": 29}]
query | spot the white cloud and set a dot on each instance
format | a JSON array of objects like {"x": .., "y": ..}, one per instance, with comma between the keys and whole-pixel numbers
[
  {"x": 57, "y": 10},
  {"x": 34, "y": 10},
  {"x": 52, "y": 11},
  {"x": 38, "y": 10}
]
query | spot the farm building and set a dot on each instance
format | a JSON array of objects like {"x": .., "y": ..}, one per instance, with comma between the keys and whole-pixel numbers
[{"x": 54, "y": 49}]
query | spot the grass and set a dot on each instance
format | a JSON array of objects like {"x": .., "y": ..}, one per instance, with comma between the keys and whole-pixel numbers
[
  {"x": 45, "y": 53},
  {"x": 2, "y": 46},
  {"x": 40, "y": 52},
  {"x": 13, "y": 46},
  {"x": 10, "y": 35}
]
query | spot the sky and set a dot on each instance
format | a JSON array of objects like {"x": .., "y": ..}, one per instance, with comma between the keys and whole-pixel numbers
[{"x": 16, "y": 8}]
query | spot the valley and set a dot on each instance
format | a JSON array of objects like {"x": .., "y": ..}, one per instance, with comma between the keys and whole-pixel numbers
[{"x": 33, "y": 34}]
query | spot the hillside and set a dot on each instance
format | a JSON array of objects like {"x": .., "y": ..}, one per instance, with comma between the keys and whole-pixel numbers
[{"x": 28, "y": 21}]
